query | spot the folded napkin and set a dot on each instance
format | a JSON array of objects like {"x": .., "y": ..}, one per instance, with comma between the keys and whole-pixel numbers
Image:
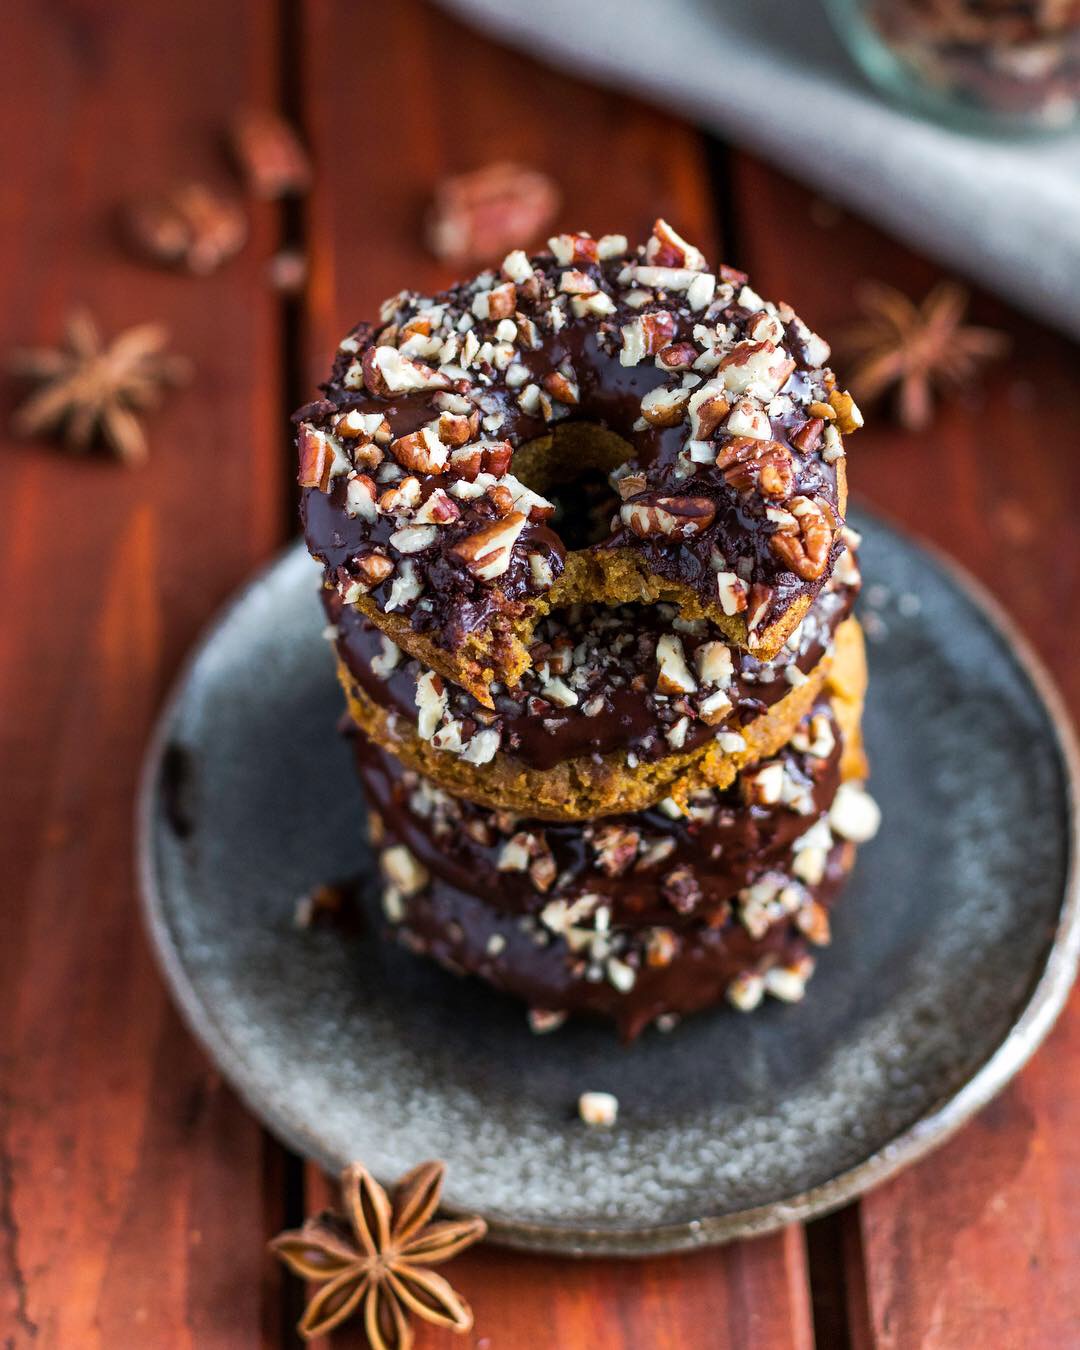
[{"x": 771, "y": 75}]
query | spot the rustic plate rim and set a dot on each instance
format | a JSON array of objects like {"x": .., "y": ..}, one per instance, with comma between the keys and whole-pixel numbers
[{"x": 1029, "y": 1029}]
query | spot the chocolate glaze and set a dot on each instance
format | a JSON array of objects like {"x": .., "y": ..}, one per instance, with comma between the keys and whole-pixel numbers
[
  {"x": 457, "y": 929},
  {"x": 634, "y": 863},
  {"x": 540, "y": 733},
  {"x": 451, "y": 602}
]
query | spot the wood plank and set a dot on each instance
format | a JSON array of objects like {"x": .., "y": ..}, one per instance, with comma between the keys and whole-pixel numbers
[
  {"x": 749, "y": 1294},
  {"x": 132, "y": 1207},
  {"x": 446, "y": 100},
  {"x": 978, "y": 1244}
]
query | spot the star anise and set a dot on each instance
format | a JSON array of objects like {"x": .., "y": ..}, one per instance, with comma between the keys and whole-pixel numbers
[
  {"x": 375, "y": 1255},
  {"x": 90, "y": 389},
  {"x": 919, "y": 349}
]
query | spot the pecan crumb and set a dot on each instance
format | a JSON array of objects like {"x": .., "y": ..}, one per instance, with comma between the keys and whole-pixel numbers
[
  {"x": 190, "y": 226},
  {"x": 270, "y": 156},
  {"x": 476, "y": 217}
]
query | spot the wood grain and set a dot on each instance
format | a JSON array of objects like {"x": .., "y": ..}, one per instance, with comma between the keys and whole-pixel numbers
[
  {"x": 978, "y": 1244},
  {"x": 747, "y": 1295},
  {"x": 619, "y": 165},
  {"x": 132, "y": 1199}
]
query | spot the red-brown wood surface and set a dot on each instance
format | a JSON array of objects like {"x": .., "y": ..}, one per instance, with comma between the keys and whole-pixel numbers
[
  {"x": 134, "y": 1199},
  {"x": 135, "y": 1192}
]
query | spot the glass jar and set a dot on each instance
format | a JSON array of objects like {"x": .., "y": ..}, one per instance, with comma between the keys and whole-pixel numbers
[{"x": 987, "y": 65}]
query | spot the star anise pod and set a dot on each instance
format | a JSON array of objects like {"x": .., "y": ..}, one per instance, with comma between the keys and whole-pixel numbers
[
  {"x": 90, "y": 389},
  {"x": 919, "y": 349},
  {"x": 375, "y": 1256}
]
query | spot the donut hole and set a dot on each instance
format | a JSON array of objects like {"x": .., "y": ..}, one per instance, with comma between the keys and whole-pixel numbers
[{"x": 572, "y": 468}]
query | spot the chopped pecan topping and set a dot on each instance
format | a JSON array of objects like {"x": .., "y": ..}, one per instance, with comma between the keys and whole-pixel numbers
[
  {"x": 807, "y": 437},
  {"x": 708, "y": 407},
  {"x": 487, "y": 552},
  {"x": 683, "y": 516},
  {"x": 682, "y": 890},
  {"x": 749, "y": 463},
  {"x": 805, "y": 548},
  {"x": 732, "y": 592},
  {"x": 616, "y": 847},
  {"x": 668, "y": 249},
  {"x": 387, "y": 372},
  {"x": 756, "y": 367},
  {"x": 369, "y": 571},
  {"x": 484, "y": 457},
  {"x": 846, "y": 411},
  {"x": 456, "y": 429},
  {"x": 316, "y": 458},
  {"x": 677, "y": 355},
  {"x": 561, "y": 388},
  {"x": 571, "y": 249},
  {"x": 664, "y": 407},
  {"x": 645, "y": 336},
  {"x": 421, "y": 451},
  {"x": 757, "y": 605}
]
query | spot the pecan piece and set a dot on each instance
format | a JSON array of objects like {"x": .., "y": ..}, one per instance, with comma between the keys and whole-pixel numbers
[
  {"x": 748, "y": 463},
  {"x": 630, "y": 484},
  {"x": 457, "y": 429},
  {"x": 191, "y": 227},
  {"x": 315, "y": 451},
  {"x": 487, "y": 552},
  {"x": 664, "y": 407},
  {"x": 387, "y": 372},
  {"x": 562, "y": 389},
  {"x": 501, "y": 499},
  {"x": 848, "y": 416},
  {"x": 477, "y": 216},
  {"x": 368, "y": 571},
  {"x": 759, "y": 367},
  {"x": 420, "y": 452},
  {"x": 808, "y": 435},
  {"x": 805, "y": 549},
  {"x": 270, "y": 154},
  {"x": 761, "y": 597},
  {"x": 709, "y": 405},
  {"x": 683, "y": 516},
  {"x": 616, "y": 848},
  {"x": 492, "y": 457},
  {"x": 677, "y": 355},
  {"x": 682, "y": 890},
  {"x": 668, "y": 249},
  {"x": 646, "y": 335},
  {"x": 570, "y": 249}
]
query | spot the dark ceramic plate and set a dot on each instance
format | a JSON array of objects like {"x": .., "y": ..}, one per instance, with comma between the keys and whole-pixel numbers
[{"x": 953, "y": 951}]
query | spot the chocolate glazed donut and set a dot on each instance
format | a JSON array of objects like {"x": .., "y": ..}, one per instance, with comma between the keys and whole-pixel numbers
[
  {"x": 625, "y": 706},
  {"x": 451, "y": 435},
  {"x": 638, "y": 916}
]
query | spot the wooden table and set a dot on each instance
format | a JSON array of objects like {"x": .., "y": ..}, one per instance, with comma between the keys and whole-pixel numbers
[{"x": 136, "y": 1193}]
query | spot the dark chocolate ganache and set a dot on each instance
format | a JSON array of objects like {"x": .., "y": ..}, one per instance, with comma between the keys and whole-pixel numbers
[{"x": 731, "y": 422}]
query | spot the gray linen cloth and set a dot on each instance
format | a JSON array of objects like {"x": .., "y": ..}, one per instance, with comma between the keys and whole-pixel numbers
[{"x": 771, "y": 75}]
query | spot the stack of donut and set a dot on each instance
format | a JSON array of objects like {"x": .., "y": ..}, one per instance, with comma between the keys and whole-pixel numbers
[{"x": 581, "y": 523}]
